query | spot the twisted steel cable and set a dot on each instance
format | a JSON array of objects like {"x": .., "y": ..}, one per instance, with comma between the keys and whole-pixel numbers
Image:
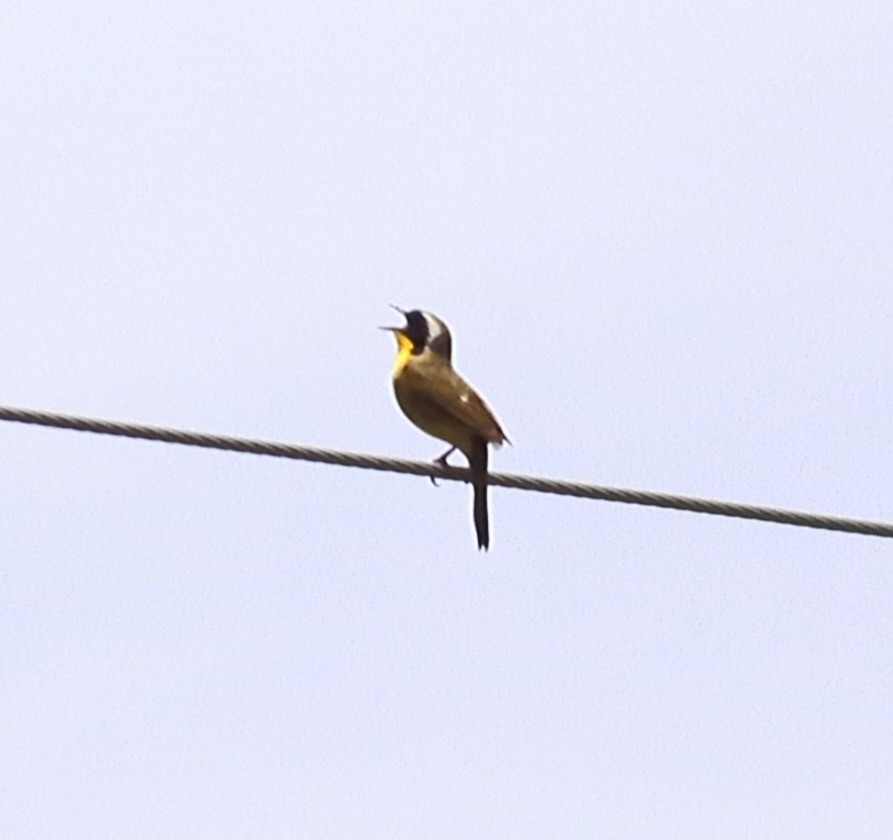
[{"x": 421, "y": 468}]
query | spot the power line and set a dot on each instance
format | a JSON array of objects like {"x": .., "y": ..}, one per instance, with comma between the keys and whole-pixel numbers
[{"x": 423, "y": 468}]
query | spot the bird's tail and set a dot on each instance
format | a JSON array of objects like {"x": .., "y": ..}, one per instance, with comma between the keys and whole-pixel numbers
[{"x": 477, "y": 462}]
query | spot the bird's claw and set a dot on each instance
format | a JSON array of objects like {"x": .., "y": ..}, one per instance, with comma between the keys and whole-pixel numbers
[{"x": 442, "y": 462}]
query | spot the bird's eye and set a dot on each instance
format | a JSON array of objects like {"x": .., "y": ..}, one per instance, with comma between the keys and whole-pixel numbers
[{"x": 417, "y": 329}]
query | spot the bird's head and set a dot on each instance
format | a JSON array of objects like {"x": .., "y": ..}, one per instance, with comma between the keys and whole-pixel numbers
[{"x": 422, "y": 331}]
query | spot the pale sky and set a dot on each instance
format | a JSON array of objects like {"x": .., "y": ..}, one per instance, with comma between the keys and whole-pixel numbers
[{"x": 661, "y": 236}]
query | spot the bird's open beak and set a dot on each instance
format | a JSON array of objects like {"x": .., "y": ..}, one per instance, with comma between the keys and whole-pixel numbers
[{"x": 395, "y": 329}]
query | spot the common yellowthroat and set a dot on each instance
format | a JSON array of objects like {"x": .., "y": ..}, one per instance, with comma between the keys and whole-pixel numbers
[{"x": 440, "y": 402}]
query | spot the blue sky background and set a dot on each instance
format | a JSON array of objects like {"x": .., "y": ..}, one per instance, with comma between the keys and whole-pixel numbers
[{"x": 661, "y": 235}]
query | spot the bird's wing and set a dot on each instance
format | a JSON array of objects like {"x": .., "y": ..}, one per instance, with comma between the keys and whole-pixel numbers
[{"x": 462, "y": 402}]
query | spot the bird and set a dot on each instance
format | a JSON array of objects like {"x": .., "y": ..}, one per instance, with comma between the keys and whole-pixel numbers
[{"x": 440, "y": 402}]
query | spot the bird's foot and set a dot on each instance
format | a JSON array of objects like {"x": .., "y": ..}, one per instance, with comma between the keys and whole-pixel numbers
[{"x": 442, "y": 462}]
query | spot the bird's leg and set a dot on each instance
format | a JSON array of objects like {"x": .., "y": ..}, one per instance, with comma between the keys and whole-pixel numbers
[{"x": 442, "y": 461}]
